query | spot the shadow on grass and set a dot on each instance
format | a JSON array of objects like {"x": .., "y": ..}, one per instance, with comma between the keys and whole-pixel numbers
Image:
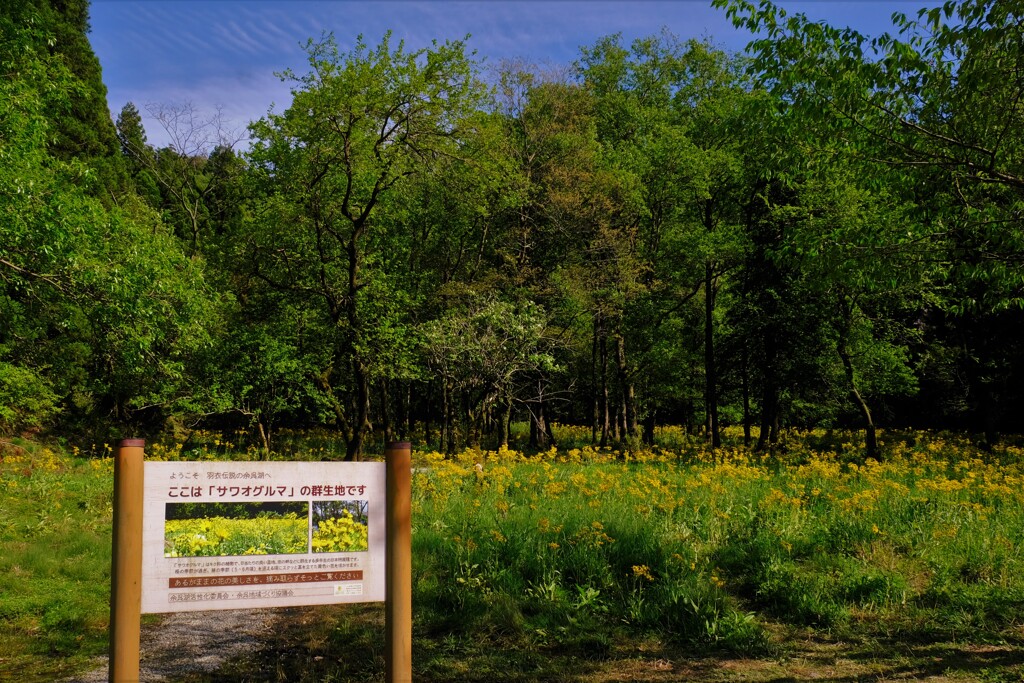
[{"x": 345, "y": 644}]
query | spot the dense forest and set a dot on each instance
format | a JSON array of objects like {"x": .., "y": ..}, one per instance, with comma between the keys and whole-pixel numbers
[{"x": 825, "y": 230}]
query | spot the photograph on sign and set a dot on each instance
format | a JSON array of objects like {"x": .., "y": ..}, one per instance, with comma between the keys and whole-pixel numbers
[
  {"x": 219, "y": 529},
  {"x": 340, "y": 526},
  {"x": 269, "y": 534}
]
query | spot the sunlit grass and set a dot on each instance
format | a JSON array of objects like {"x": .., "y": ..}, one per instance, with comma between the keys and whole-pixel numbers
[
  {"x": 569, "y": 550},
  {"x": 705, "y": 546},
  {"x": 55, "y": 518}
]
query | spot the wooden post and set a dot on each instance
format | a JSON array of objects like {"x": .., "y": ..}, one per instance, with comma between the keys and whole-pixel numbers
[
  {"x": 126, "y": 563},
  {"x": 398, "y": 563}
]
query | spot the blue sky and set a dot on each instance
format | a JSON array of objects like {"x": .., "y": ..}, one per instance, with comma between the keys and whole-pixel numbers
[{"x": 224, "y": 53}]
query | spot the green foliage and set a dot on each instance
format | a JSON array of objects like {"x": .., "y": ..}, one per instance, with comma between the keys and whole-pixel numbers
[
  {"x": 101, "y": 305},
  {"x": 930, "y": 107},
  {"x": 320, "y": 231},
  {"x": 81, "y": 125},
  {"x": 26, "y": 399},
  {"x": 809, "y": 233},
  {"x": 54, "y": 561},
  {"x": 490, "y": 348}
]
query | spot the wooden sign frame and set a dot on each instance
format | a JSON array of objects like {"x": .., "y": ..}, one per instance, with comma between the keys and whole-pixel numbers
[{"x": 217, "y": 578}]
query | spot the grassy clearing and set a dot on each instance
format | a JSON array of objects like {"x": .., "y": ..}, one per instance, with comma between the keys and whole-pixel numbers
[
  {"x": 703, "y": 548},
  {"x": 55, "y": 518},
  {"x": 585, "y": 564}
]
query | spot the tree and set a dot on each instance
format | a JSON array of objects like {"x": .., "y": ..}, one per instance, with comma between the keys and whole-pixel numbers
[
  {"x": 673, "y": 116},
  {"x": 360, "y": 126},
  {"x": 932, "y": 115},
  {"x": 185, "y": 177},
  {"x": 81, "y": 125},
  {"x": 138, "y": 155},
  {"x": 847, "y": 243},
  {"x": 101, "y": 310},
  {"x": 485, "y": 354}
]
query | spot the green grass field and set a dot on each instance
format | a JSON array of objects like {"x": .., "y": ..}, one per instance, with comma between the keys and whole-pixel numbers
[
  {"x": 581, "y": 560},
  {"x": 55, "y": 521}
]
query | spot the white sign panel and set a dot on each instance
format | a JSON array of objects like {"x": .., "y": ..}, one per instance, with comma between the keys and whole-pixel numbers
[{"x": 240, "y": 535}]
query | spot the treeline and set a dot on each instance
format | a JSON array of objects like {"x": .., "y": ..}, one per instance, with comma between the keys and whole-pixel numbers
[{"x": 825, "y": 230}]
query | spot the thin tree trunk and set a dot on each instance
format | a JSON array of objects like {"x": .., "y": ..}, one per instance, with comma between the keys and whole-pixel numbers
[
  {"x": 745, "y": 373},
  {"x": 505, "y": 423},
  {"x": 445, "y": 425},
  {"x": 594, "y": 393},
  {"x": 264, "y": 439},
  {"x": 710, "y": 370},
  {"x": 541, "y": 436},
  {"x": 649, "y": 424},
  {"x": 605, "y": 407},
  {"x": 354, "y": 447},
  {"x": 360, "y": 374},
  {"x": 323, "y": 383},
  {"x": 870, "y": 438},
  {"x": 843, "y": 347},
  {"x": 428, "y": 417},
  {"x": 385, "y": 411},
  {"x": 405, "y": 420},
  {"x": 769, "y": 412},
  {"x": 626, "y": 387}
]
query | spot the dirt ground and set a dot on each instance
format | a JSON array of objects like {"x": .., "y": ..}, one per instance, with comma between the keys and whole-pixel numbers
[
  {"x": 206, "y": 646},
  {"x": 190, "y": 643}
]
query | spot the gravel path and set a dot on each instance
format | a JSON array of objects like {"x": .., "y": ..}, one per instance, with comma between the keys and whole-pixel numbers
[{"x": 192, "y": 642}]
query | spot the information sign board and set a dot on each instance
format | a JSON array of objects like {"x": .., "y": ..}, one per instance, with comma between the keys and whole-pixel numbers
[{"x": 239, "y": 535}]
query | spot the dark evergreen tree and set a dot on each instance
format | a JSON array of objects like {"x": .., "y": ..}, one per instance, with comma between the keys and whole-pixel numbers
[{"x": 82, "y": 127}]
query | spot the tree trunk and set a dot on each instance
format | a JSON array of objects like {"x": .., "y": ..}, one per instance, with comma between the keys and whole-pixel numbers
[
  {"x": 605, "y": 407},
  {"x": 870, "y": 439},
  {"x": 405, "y": 420},
  {"x": 504, "y": 424},
  {"x": 323, "y": 383},
  {"x": 541, "y": 436},
  {"x": 264, "y": 439},
  {"x": 473, "y": 419},
  {"x": 448, "y": 422},
  {"x": 360, "y": 375},
  {"x": 594, "y": 392},
  {"x": 385, "y": 412},
  {"x": 710, "y": 370},
  {"x": 843, "y": 347},
  {"x": 649, "y": 424},
  {"x": 745, "y": 374},
  {"x": 361, "y": 427},
  {"x": 428, "y": 417},
  {"x": 768, "y": 437},
  {"x": 626, "y": 387}
]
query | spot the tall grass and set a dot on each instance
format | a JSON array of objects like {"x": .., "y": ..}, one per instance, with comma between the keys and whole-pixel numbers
[
  {"x": 566, "y": 553},
  {"x": 55, "y": 518},
  {"x": 709, "y": 548}
]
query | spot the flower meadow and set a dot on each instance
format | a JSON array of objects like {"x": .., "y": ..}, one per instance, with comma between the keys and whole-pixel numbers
[
  {"x": 571, "y": 551},
  {"x": 716, "y": 547}
]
